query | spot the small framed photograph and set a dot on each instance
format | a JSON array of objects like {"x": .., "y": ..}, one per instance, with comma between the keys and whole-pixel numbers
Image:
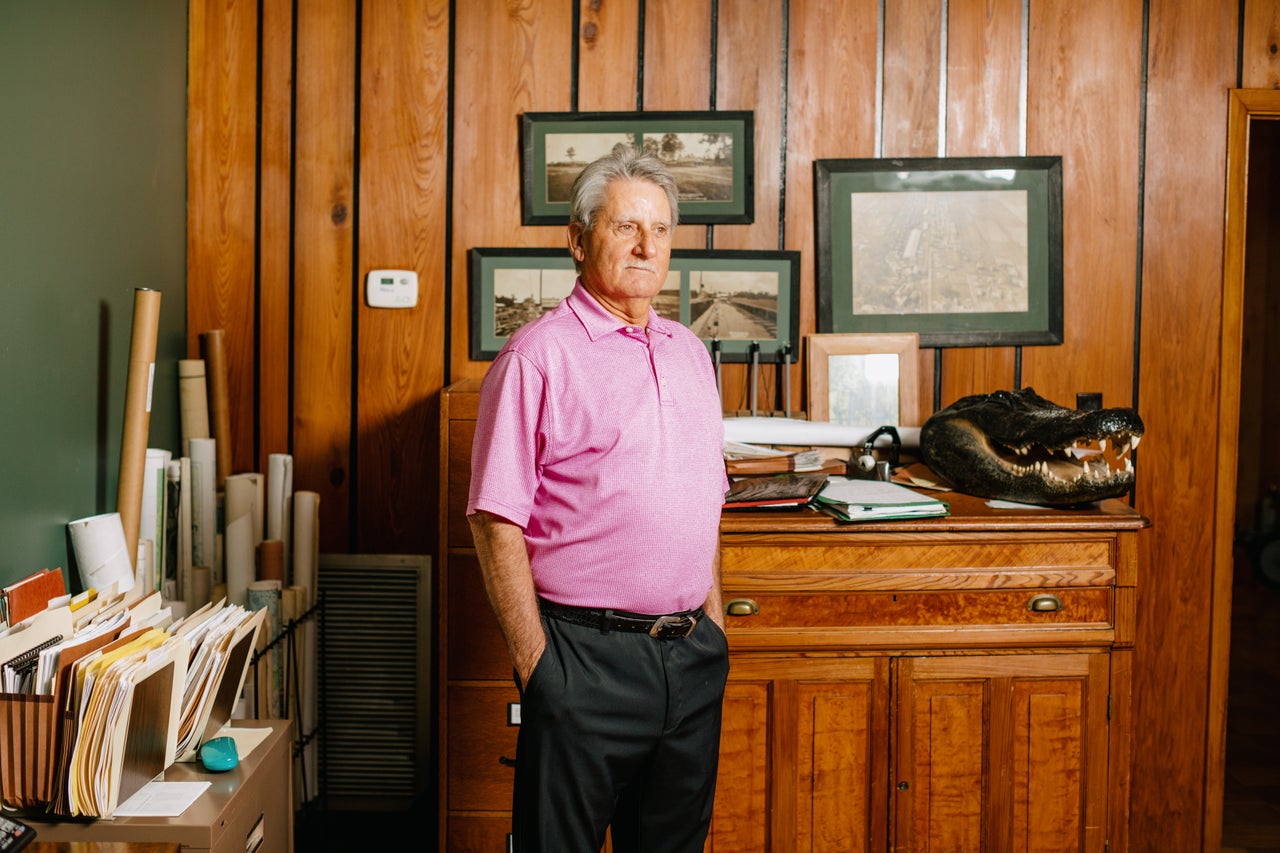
[
  {"x": 864, "y": 379},
  {"x": 711, "y": 155},
  {"x": 962, "y": 251},
  {"x": 740, "y": 302}
]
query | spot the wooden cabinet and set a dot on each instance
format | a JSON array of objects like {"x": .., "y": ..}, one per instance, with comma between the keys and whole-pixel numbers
[{"x": 958, "y": 683}]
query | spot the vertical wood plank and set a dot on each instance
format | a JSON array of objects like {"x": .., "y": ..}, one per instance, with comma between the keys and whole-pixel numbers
[
  {"x": 831, "y": 93},
  {"x": 912, "y": 78},
  {"x": 510, "y": 60},
  {"x": 1084, "y": 91},
  {"x": 984, "y": 66},
  {"x": 403, "y": 106},
  {"x": 1192, "y": 57},
  {"x": 677, "y": 73},
  {"x": 221, "y": 182},
  {"x": 322, "y": 345},
  {"x": 607, "y": 54},
  {"x": 1260, "y": 34},
  {"x": 276, "y": 205},
  {"x": 749, "y": 77},
  {"x": 912, "y": 75}
]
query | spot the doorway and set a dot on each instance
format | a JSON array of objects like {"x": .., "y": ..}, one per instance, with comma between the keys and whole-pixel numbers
[{"x": 1251, "y": 354}]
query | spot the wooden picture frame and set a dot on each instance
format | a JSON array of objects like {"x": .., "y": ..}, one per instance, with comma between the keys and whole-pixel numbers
[
  {"x": 869, "y": 380},
  {"x": 730, "y": 298},
  {"x": 711, "y": 154},
  {"x": 962, "y": 251}
]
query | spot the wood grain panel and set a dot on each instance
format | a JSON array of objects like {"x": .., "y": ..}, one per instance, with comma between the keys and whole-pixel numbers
[
  {"x": 1260, "y": 36},
  {"x": 510, "y": 59},
  {"x": 749, "y": 77},
  {"x": 983, "y": 110},
  {"x": 221, "y": 183},
  {"x": 912, "y": 78},
  {"x": 478, "y": 717},
  {"x": 276, "y": 206},
  {"x": 739, "y": 820},
  {"x": 608, "y": 54},
  {"x": 403, "y": 161},
  {"x": 831, "y": 93},
  {"x": 1192, "y": 52},
  {"x": 677, "y": 74},
  {"x": 323, "y": 346},
  {"x": 1088, "y": 115},
  {"x": 837, "y": 734}
]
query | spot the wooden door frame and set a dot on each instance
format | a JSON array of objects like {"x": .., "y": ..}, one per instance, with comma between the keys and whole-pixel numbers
[{"x": 1244, "y": 106}]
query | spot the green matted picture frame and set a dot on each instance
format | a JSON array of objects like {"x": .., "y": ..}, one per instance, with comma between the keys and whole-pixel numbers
[
  {"x": 732, "y": 299},
  {"x": 711, "y": 155},
  {"x": 963, "y": 251}
]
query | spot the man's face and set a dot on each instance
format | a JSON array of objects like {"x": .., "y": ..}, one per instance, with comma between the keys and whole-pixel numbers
[{"x": 626, "y": 254}]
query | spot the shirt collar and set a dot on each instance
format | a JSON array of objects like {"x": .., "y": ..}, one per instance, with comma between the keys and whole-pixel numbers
[{"x": 599, "y": 322}]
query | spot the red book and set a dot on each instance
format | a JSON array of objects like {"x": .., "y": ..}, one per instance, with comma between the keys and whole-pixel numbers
[{"x": 27, "y": 597}]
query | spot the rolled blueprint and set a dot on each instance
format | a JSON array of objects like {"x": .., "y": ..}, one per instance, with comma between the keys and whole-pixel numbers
[
  {"x": 137, "y": 414},
  {"x": 280, "y": 505},
  {"x": 245, "y": 495},
  {"x": 213, "y": 344},
  {"x": 193, "y": 396},
  {"x": 204, "y": 502},
  {"x": 102, "y": 554},
  {"x": 151, "y": 514}
]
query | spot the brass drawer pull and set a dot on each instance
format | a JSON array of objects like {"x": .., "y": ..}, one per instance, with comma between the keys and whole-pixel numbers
[
  {"x": 1044, "y": 604},
  {"x": 742, "y": 607}
]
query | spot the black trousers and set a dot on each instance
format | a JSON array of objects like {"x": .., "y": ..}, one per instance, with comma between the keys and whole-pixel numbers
[{"x": 619, "y": 730}]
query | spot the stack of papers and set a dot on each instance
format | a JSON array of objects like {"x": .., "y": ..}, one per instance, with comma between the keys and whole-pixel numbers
[{"x": 848, "y": 499}]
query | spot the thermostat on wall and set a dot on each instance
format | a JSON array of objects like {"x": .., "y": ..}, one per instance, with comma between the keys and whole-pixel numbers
[{"x": 391, "y": 288}]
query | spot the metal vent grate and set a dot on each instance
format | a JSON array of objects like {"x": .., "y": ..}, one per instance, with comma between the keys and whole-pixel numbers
[{"x": 375, "y": 672}]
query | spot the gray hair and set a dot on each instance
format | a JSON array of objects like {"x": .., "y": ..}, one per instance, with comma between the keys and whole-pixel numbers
[{"x": 624, "y": 162}]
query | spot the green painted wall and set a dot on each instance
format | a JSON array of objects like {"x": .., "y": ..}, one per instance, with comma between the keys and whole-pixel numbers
[{"x": 92, "y": 206}]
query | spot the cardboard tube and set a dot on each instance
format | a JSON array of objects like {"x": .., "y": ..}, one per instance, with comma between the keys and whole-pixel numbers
[
  {"x": 193, "y": 394},
  {"x": 213, "y": 342},
  {"x": 137, "y": 415},
  {"x": 270, "y": 558}
]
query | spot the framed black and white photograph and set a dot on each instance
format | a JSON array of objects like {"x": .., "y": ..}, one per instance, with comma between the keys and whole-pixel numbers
[
  {"x": 711, "y": 155},
  {"x": 962, "y": 251},
  {"x": 731, "y": 299}
]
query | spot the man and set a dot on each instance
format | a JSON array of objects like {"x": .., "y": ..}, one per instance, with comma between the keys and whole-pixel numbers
[{"x": 597, "y": 482}]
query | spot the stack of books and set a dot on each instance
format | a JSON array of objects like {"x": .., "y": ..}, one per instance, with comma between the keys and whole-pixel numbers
[{"x": 744, "y": 460}]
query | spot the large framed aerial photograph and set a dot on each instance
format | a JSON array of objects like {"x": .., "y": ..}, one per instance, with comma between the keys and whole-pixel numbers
[
  {"x": 742, "y": 303},
  {"x": 711, "y": 155},
  {"x": 962, "y": 251}
]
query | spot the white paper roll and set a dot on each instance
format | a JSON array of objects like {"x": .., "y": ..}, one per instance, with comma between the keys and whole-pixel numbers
[
  {"x": 245, "y": 496},
  {"x": 101, "y": 552},
  {"x": 306, "y": 542},
  {"x": 151, "y": 518},
  {"x": 280, "y": 504},
  {"x": 204, "y": 503},
  {"x": 238, "y": 541}
]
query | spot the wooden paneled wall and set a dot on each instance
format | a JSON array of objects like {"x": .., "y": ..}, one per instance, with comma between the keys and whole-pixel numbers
[{"x": 331, "y": 137}]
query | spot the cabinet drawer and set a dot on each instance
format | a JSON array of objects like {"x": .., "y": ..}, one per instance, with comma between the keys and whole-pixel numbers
[
  {"x": 461, "y": 434},
  {"x": 476, "y": 648},
  {"x": 917, "y": 561},
  {"x": 479, "y": 738},
  {"x": 948, "y": 618}
]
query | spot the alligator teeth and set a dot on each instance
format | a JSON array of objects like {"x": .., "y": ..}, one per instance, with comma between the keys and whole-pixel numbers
[
  {"x": 1134, "y": 442},
  {"x": 1102, "y": 445}
]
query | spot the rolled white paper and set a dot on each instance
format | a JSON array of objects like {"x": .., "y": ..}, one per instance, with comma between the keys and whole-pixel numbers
[
  {"x": 101, "y": 552},
  {"x": 280, "y": 504},
  {"x": 204, "y": 503}
]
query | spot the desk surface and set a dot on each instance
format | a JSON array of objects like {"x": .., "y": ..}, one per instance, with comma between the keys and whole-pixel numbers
[
  {"x": 39, "y": 846},
  {"x": 260, "y": 785}
]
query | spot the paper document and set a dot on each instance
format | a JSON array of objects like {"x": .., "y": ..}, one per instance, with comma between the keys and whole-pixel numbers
[
  {"x": 162, "y": 799},
  {"x": 850, "y": 499}
]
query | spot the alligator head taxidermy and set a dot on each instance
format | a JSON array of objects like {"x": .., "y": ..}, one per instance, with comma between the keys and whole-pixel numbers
[{"x": 1018, "y": 446}]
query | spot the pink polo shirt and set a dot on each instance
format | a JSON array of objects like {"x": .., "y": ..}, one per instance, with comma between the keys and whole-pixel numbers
[{"x": 605, "y": 445}]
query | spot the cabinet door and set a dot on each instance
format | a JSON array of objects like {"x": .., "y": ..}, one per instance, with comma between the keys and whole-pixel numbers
[
  {"x": 1000, "y": 753},
  {"x": 803, "y": 757}
]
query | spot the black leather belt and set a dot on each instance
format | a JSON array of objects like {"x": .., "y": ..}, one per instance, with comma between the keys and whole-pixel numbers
[{"x": 665, "y": 627}]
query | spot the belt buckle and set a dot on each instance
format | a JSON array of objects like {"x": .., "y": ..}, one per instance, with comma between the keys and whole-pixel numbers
[{"x": 668, "y": 627}]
